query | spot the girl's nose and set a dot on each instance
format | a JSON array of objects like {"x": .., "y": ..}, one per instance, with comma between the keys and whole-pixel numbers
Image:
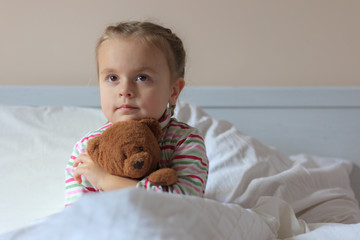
[{"x": 126, "y": 90}]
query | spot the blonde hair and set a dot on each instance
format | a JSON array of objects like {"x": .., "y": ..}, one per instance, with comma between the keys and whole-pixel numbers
[{"x": 156, "y": 35}]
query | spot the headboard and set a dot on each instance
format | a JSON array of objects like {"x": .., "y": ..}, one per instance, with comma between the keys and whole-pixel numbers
[{"x": 322, "y": 121}]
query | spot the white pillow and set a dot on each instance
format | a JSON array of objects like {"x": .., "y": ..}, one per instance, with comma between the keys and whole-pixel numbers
[
  {"x": 242, "y": 169},
  {"x": 35, "y": 145}
]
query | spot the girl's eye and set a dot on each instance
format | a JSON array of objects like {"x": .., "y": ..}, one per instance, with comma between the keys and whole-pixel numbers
[
  {"x": 142, "y": 78},
  {"x": 112, "y": 78}
]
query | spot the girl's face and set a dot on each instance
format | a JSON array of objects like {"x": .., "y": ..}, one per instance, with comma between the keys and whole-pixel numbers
[{"x": 134, "y": 80}]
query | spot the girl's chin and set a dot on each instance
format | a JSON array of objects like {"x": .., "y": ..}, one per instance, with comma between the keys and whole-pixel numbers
[
  {"x": 121, "y": 118},
  {"x": 127, "y": 118}
]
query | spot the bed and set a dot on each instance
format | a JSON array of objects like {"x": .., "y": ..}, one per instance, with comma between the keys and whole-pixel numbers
[{"x": 284, "y": 164}]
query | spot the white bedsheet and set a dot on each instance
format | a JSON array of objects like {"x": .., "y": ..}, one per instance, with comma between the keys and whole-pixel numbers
[
  {"x": 330, "y": 231},
  {"x": 242, "y": 169}
]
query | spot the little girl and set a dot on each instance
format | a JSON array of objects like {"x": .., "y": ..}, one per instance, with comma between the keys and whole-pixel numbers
[{"x": 141, "y": 74}]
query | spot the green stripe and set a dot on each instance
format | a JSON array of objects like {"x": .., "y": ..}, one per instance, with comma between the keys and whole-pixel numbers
[
  {"x": 199, "y": 184},
  {"x": 72, "y": 186},
  {"x": 71, "y": 199},
  {"x": 194, "y": 151},
  {"x": 75, "y": 151},
  {"x": 167, "y": 141},
  {"x": 194, "y": 141},
  {"x": 198, "y": 165},
  {"x": 175, "y": 141},
  {"x": 192, "y": 191},
  {"x": 181, "y": 189}
]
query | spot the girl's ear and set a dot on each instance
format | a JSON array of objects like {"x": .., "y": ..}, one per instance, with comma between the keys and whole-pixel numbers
[
  {"x": 93, "y": 148},
  {"x": 176, "y": 89}
]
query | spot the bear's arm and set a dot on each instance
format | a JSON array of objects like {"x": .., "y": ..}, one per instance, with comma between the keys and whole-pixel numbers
[{"x": 190, "y": 162}]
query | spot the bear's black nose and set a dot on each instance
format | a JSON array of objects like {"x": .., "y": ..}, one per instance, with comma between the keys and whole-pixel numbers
[{"x": 138, "y": 164}]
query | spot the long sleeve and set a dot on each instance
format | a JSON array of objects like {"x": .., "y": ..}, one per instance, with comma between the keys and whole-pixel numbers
[
  {"x": 73, "y": 190},
  {"x": 182, "y": 149}
]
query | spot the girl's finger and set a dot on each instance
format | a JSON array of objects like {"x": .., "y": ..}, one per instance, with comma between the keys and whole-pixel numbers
[
  {"x": 78, "y": 160},
  {"x": 77, "y": 176}
]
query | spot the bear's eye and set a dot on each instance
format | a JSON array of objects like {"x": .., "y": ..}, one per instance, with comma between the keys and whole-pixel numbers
[
  {"x": 125, "y": 156},
  {"x": 141, "y": 148}
]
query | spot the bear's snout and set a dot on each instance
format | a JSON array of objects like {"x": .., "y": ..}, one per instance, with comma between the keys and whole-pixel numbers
[{"x": 138, "y": 164}]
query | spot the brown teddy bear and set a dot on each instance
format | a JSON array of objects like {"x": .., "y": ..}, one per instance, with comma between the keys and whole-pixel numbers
[{"x": 131, "y": 149}]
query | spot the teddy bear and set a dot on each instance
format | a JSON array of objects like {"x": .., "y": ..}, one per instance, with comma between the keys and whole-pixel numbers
[{"x": 130, "y": 149}]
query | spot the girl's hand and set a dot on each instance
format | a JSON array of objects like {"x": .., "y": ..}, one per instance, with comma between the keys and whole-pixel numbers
[
  {"x": 97, "y": 176},
  {"x": 92, "y": 171}
]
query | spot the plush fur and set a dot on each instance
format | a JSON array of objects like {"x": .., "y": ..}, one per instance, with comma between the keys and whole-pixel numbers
[{"x": 131, "y": 149}]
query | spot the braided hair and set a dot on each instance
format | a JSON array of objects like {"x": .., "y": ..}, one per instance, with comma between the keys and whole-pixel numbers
[{"x": 162, "y": 38}]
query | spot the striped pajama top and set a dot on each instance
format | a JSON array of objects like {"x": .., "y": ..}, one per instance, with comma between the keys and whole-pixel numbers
[{"x": 182, "y": 148}]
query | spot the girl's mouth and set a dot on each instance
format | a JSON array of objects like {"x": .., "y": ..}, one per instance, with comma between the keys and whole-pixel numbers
[{"x": 126, "y": 107}]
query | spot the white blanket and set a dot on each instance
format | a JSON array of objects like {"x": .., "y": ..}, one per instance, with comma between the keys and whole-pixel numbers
[{"x": 137, "y": 214}]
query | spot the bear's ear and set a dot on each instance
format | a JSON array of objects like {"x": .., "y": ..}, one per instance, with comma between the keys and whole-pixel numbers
[
  {"x": 93, "y": 148},
  {"x": 154, "y": 126}
]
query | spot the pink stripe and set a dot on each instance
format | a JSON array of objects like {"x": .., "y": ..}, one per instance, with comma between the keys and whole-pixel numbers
[
  {"x": 70, "y": 180},
  {"x": 80, "y": 148},
  {"x": 176, "y": 190},
  {"x": 73, "y": 157},
  {"x": 190, "y": 136},
  {"x": 91, "y": 136},
  {"x": 75, "y": 191},
  {"x": 163, "y": 120},
  {"x": 191, "y": 157},
  {"x": 164, "y": 163},
  {"x": 196, "y": 136},
  {"x": 180, "y": 142},
  {"x": 179, "y": 125},
  {"x": 189, "y": 185},
  {"x": 173, "y": 135},
  {"x": 89, "y": 189},
  {"x": 69, "y": 170},
  {"x": 192, "y": 168},
  {"x": 167, "y": 147},
  {"x": 197, "y": 177},
  {"x": 192, "y": 146},
  {"x": 146, "y": 183},
  {"x": 82, "y": 190},
  {"x": 106, "y": 126}
]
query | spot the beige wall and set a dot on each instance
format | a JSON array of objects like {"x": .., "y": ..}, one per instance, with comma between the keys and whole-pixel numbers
[{"x": 231, "y": 42}]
